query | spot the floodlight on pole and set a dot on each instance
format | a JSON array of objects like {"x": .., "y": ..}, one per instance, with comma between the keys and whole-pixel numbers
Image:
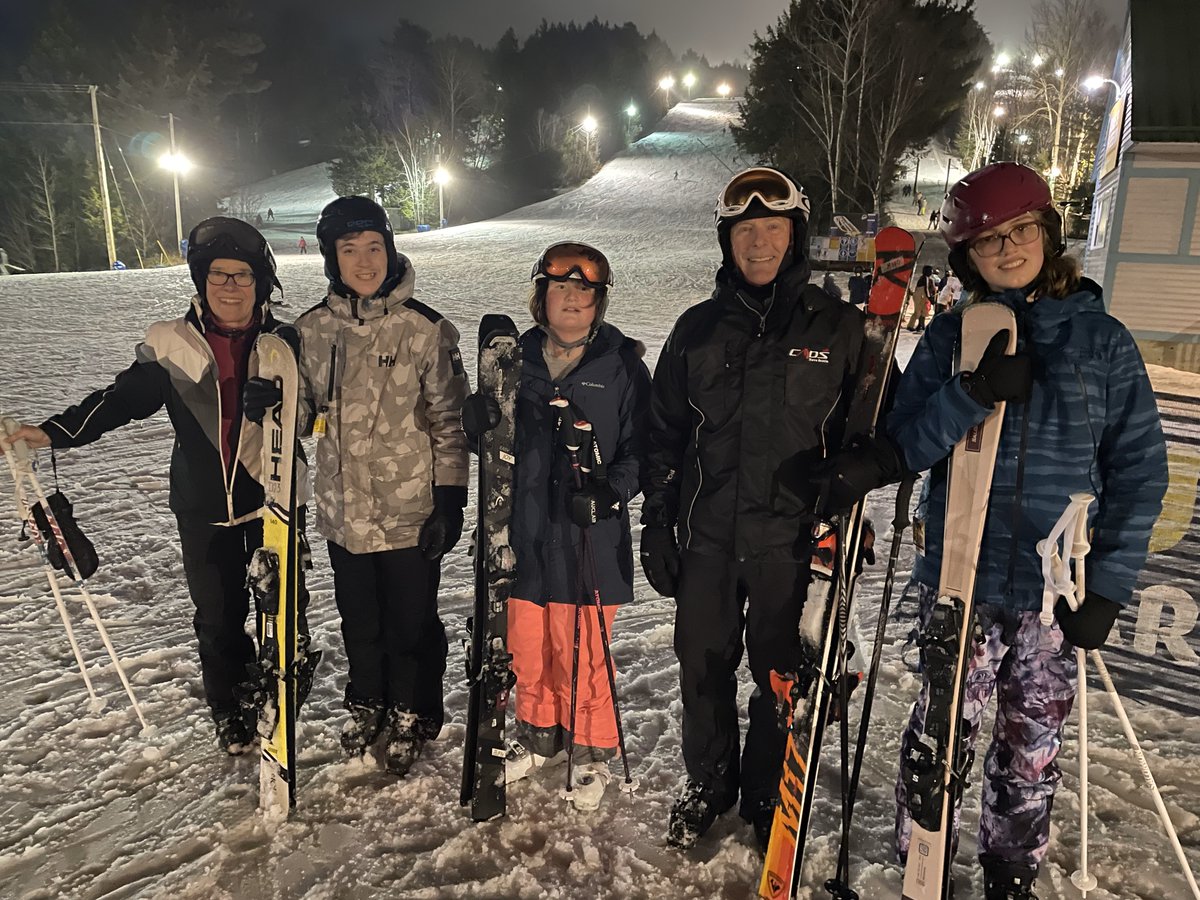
[
  {"x": 441, "y": 177},
  {"x": 999, "y": 111},
  {"x": 979, "y": 85},
  {"x": 689, "y": 81},
  {"x": 177, "y": 164},
  {"x": 588, "y": 124},
  {"x": 631, "y": 110},
  {"x": 1092, "y": 82},
  {"x": 723, "y": 89},
  {"x": 665, "y": 84},
  {"x": 1037, "y": 60},
  {"x": 1060, "y": 72}
]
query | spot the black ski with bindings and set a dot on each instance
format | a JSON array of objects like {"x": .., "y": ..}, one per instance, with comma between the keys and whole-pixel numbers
[
  {"x": 489, "y": 669},
  {"x": 273, "y": 577},
  {"x": 805, "y": 694},
  {"x": 935, "y": 770}
]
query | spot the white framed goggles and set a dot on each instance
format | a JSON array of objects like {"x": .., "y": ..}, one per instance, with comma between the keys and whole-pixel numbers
[{"x": 772, "y": 189}]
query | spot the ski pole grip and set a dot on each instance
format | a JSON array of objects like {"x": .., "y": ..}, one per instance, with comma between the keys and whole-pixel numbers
[{"x": 20, "y": 448}]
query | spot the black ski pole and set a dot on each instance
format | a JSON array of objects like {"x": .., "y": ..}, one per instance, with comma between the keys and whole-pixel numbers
[{"x": 900, "y": 522}]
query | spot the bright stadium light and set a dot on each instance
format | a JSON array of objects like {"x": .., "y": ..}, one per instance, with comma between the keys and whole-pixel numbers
[{"x": 723, "y": 89}]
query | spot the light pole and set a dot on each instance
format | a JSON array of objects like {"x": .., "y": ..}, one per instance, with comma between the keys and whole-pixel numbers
[
  {"x": 177, "y": 164},
  {"x": 665, "y": 84},
  {"x": 1092, "y": 82},
  {"x": 723, "y": 89},
  {"x": 689, "y": 81},
  {"x": 441, "y": 178}
]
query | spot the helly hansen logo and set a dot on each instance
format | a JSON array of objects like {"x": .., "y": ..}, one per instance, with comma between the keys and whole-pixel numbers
[
  {"x": 810, "y": 355},
  {"x": 387, "y": 361}
]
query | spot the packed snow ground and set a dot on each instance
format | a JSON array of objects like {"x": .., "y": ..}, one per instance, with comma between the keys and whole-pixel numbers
[{"x": 92, "y": 809}]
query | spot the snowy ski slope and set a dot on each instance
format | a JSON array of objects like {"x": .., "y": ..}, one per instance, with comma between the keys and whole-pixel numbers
[{"x": 90, "y": 809}]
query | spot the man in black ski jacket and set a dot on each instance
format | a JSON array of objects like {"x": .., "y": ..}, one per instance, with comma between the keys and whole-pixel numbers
[
  {"x": 197, "y": 367},
  {"x": 748, "y": 402}
]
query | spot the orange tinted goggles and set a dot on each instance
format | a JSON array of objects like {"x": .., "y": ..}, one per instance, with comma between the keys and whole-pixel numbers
[{"x": 574, "y": 260}]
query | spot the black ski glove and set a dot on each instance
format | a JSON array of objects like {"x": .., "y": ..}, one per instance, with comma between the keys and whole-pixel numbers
[
  {"x": 593, "y": 502},
  {"x": 660, "y": 559},
  {"x": 259, "y": 395},
  {"x": 1088, "y": 626},
  {"x": 845, "y": 478},
  {"x": 480, "y": 414},
  {"x": 444, "y": 526},
  {"x": 1000, "y": 376}
]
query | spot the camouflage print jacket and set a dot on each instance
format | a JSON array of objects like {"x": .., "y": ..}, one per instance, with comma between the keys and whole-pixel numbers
[{"x": 386, "y": 377}]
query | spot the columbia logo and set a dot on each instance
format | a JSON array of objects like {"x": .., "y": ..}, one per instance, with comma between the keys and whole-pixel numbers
[
  {"x": 809, "y": 355},
  {"x": 592, "y": 384}
]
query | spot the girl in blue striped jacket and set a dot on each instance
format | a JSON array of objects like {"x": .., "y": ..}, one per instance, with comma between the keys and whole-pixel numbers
[{"x": 1080, "y": 416}]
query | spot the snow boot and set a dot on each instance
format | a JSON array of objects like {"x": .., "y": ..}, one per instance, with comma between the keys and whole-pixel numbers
[
  {"x": 590, "y": 779},
  {"x": 1007, "y": 881},
  {"x": 692, "y": 814},
  {"x": 762, "y": 819},
  {"x": 406, "y": 736},
  {"x": 307, "y": 660},
  {"x": 363, "y": 727},
  {"x": 234, "y": 733}
]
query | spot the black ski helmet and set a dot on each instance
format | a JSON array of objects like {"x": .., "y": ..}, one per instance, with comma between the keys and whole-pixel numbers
[
  {"x": 350, "y": 215},
  {"x": 223, "y": 237},
  {"x": 760, "y": 192}
]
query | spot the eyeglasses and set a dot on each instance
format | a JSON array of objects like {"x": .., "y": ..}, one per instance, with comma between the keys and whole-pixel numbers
[
  {"x": 574, "y": 260},
  {"x": 220, "y": 279},
  {"x": 1018, "y": 236},
  {"x": 769, "y": 187}
]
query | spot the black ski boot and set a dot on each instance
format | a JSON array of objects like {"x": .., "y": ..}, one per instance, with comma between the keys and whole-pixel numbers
[
  {"x": 692, "y": 814},
  {"x": 234, "y": 733},
  {"x": 406, "y": 736},
  {"x": 307, "y": 660},
  {"x": 762, "y": 819},
  {"x": 1006, "y": 881},
  {"x": 363, "y": 727}
]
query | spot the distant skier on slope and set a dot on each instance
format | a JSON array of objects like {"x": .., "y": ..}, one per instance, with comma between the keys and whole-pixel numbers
[
  {"x": 384, "y": 383},
  {"x": 746, "y": 398},
  {"x": 573, "y": 353},
  {"x": 1080, "y": 416},
  {"x": 196, "y": 366}
]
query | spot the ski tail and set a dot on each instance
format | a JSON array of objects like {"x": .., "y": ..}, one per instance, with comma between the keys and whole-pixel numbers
[
  {"x": 274, "y": 580},
  {"x": 935, "y": 770}
]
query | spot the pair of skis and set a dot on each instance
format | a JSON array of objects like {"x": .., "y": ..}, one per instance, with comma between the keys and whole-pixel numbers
[{"x": 489, "y": 669}]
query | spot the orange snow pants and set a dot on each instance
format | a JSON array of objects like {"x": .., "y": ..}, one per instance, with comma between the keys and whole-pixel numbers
[{"x": 541, "y": 640}]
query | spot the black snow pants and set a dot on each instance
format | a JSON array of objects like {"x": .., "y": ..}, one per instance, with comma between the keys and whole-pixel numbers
[
  {"x": 215, "y": 558},
  {"x": 395, "y": 643},
  {"x": 718, "y": 602}
]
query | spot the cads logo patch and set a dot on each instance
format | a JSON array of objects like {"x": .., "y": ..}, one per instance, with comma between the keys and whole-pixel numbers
[{"x": 808, "y": 354}]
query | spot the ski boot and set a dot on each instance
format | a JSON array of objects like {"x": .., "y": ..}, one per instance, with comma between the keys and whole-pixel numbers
[
  {"x": 1007, "y": 881},
  {"x": 762, "y": 819},
  {"x": 692, "y": 814},
  {"x": 589, "y": 779},
  {"x": 305, "y": 668},
  {"x": 363, "y": 727},
  {"x": 234, "y": 734},
  {"x": 406, "y": 736},
  {"x": 532, "y": 748}
]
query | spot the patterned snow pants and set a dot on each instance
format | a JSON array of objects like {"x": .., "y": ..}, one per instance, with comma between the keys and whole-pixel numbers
[{"x": 1033, "y": 668}]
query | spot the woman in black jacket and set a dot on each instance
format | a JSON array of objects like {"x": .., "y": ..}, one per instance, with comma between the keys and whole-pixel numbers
[
  {"x": 197, "y": 366},
  {"x": 573, "y": 355}
]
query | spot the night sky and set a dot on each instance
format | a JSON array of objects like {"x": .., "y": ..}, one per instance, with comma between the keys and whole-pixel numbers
[{"x": 722, "y": 31}]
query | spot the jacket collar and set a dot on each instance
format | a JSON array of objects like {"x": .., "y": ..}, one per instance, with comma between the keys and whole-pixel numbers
[{"x": 608, "y": 339}]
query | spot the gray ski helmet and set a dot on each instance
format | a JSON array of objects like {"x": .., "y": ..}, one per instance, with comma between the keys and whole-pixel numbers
[
  {"x": 350, "y": 215},
  {"x": 223, "y": 237},
  {"x": 760, "y": 192}
]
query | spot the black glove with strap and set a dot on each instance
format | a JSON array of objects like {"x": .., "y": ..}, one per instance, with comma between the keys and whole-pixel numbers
[
  {"x": 660, "y": 559},
  {"x": 1087, "y": 627},
  {"x": 593, "y": 502},
  {"x": 258, "y": 395},
  {"x": 1000, "y": 376},
  {"x": 480, "y": 414},
  {"x": 444, "y": 526},
  {"x": 845, "y": 478}
]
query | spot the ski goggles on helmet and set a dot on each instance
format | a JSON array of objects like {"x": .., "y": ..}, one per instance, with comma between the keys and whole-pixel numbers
[
  {"x": 571, "y": 259},
  {"x": 772, "y": 189},
  {"x": 231, "y": 233}
]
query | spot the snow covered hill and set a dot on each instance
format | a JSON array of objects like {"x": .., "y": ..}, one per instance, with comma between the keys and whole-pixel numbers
[{"x": 91, "y": 809}]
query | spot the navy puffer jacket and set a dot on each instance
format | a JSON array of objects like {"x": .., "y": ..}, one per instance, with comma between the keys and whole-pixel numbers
[
  {"x": 1091, "y": 425},
  {"x": 611, "y": 387}
]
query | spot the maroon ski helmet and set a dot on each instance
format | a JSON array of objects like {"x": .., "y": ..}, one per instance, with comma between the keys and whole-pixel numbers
[{"x": 989, "y": 197}]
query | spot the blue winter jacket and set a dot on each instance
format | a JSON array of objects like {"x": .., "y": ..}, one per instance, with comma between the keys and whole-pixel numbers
[
  {"x": 1091, "y": 425},
  {"x": 611, "y": 387}
]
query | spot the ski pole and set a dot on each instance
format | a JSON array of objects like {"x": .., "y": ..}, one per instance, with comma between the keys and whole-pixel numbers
[
  {"x": 1147, "y": 775},
  {"x": 95, "y": 703},
  {"x": 900, "y": 522},
  {"x": 83, "y": 590}
]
